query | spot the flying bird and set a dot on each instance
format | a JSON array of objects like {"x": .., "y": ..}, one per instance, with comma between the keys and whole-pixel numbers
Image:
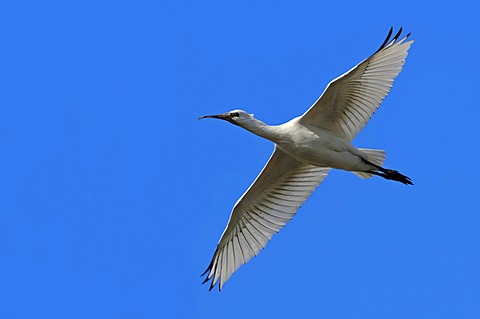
[{"x": 306, "y": 149}]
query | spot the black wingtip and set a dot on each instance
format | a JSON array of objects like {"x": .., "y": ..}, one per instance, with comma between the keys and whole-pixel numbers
[
  {"x": 209, "y": 269},
  {"x": 395, "y": 38},
  {"x": 206, "y": 270},
  {"x": 386, "y": 40},
  {"x": 389, "y": 35},
  {"x": 211, "y": 284},
  {"x": 208, "y": 278}
]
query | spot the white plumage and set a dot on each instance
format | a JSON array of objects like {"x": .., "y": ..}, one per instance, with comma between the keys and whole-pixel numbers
[{"x": 306, "y": 148}]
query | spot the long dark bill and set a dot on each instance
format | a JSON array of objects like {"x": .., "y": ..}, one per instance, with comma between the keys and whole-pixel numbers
[{"x": 217, "y": 116}]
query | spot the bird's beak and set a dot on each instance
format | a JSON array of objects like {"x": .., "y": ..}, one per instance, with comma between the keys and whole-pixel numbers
[{"x": 218, "y": 116}]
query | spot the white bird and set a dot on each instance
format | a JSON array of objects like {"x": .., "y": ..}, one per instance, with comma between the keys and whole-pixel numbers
[{"x": 306, "y": 148}]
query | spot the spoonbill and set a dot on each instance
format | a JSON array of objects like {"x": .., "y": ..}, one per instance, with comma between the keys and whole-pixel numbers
[{"x": 306, "y": 149}]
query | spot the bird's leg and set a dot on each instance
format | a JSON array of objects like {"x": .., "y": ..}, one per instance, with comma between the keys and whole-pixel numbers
[{"x": 390, "y": 174}]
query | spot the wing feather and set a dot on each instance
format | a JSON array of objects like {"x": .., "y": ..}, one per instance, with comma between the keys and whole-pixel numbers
[
  {"x": 271, "y": 201},
  {"x": 350, "y": 100}
]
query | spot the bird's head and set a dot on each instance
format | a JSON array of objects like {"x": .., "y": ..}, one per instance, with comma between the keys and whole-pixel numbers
[{"x": 237, "y": 117}]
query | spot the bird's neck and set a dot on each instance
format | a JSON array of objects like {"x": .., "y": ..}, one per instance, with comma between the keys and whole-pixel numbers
[{"x": 259, "y": 128}]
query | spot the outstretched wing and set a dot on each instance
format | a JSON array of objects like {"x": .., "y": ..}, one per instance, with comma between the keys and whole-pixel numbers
[
  {"x": 271, "y": 201},
  {"x": 350, "y": 100}
]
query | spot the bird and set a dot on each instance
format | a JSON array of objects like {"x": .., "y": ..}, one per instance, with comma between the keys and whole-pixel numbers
[{"x": 306, "y": 148}]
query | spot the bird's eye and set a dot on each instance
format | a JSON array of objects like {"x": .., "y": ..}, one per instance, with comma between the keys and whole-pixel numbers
[{"x": 234, "y": 114}]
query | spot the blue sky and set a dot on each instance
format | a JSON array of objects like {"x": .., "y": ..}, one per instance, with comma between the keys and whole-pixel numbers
[{"x": 113, "y": 196}]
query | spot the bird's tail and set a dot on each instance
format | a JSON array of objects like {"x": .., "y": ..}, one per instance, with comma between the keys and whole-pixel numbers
[{"x": 375, "y": 157}]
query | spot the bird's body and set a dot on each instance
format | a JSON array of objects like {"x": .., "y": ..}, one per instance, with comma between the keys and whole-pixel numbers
[
  {"x": 306, "y": 149},
  {"x": 319, "y": 147},
  {"x": 311, "y": 144}
]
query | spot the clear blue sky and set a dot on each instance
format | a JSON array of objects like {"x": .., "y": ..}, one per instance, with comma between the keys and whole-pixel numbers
[{"x": 113, "y": 196}]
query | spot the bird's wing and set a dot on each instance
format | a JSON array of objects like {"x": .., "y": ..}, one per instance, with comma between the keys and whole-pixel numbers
[
  {"x": 271, "y": 201},
  {"x": 350, "y": 100}
]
